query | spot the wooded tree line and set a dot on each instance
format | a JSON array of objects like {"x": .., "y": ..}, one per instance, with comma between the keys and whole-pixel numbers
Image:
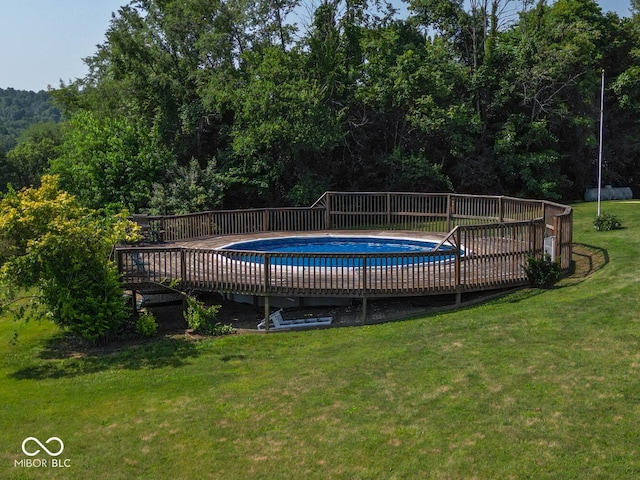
[
  {"x": 19, "y": 110},
  {"x": 200, "y": 104}
]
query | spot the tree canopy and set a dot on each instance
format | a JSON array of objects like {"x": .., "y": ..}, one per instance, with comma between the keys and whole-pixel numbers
[{"x": 253, "y": 103}]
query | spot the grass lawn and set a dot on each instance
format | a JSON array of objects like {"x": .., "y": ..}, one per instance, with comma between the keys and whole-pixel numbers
[{"x": 538, "y": 384}]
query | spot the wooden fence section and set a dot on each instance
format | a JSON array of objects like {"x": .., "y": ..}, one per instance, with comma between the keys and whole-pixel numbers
[
  {"x": 234, "y": 222},
  {"x": 559, "y": 225},
  {"x": 488, "y": 237},
  {"x": 476, "y": 257},
  {"x": 341, "y": 211}
]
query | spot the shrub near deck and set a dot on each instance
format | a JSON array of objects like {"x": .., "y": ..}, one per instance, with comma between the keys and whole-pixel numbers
[{"x": 538, "y": 384}]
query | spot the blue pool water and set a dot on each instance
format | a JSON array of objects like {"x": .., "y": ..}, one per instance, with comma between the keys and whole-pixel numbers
[{"x": 338, "y": 251}]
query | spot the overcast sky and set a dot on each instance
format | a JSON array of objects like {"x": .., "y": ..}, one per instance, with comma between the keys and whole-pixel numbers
[{"x": 44, "y": 41}]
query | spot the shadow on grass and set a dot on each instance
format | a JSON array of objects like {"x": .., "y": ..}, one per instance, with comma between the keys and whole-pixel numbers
[
  {"x": 60, "y": 359},
  {"x": 586, "y": 260}
]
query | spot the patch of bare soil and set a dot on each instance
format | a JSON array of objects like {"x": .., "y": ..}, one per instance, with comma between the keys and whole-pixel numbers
[{"x": 245, "y": 317}]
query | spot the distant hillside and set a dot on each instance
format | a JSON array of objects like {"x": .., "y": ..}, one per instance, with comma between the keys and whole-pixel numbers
[{"x": 19, "y": 109}]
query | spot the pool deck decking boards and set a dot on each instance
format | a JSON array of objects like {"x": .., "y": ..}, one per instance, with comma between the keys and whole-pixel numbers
[{"x": 220, "y": 241}]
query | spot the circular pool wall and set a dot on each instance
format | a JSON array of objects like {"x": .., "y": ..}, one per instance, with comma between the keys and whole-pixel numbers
[{"x": 341, "y": 251}]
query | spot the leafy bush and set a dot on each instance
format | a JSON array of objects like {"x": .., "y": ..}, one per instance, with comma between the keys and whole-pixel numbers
[
  {"x": 542, "y": 272},
  {"x": 146, "y": 325},
  {"x": 201, "y": 318},
  {"x": 607, "y": 221},
  {"x": 60, "y": 250},
  {"x": 219, "y": 329}
]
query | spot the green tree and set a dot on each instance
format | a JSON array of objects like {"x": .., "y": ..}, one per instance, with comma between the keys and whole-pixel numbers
[
  {"x": 281, "y": 125},
  {"x": 158, "y": 54},
  {"x": 188, "y": 189},
  {"x": 559, "y": 54},
  {"x": 110, "y": 162},
  {"x": 622, "y": 108},
  {"x": 420, "y": 117},
  {"x": 528, "y": 159},
  {"x": 144, "y": 71},
  {"x": 37, "y": 146},
  {"x": 51, "y": 244},
  {"x": 484, "y": 96},
  {"x": 6, "y": 173}
]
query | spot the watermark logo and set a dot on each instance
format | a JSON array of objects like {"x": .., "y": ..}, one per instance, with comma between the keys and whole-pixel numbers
[
  {"x": 32, "y": 447},
  {"x": 38, "y": 442}
]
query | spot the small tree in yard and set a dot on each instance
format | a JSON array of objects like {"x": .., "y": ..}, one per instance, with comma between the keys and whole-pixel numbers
[{"x": 51, "y": 244}]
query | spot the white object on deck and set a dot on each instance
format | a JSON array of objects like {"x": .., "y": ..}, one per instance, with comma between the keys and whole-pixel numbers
[{"x": 276, "y": 322}]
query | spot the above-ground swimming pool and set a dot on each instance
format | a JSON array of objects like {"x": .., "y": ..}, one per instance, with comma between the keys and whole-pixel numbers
[
  {"x": 202, "y": 250},
  {"x": 342, "y": 251}
]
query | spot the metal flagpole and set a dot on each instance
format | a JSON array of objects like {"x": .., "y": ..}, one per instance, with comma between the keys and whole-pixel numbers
[{"x": 600, "y": 152}]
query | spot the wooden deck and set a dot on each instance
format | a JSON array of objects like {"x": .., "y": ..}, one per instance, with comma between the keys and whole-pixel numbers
[
  {"x": 216, "y": 242},
  {"x": 493, "y": 262},
  {"x": 490, "y": 237}
]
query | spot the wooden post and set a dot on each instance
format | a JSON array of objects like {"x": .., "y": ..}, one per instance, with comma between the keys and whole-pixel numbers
[
  {"x": 327, "y": 213},
  {"x": 566, "y": 249},
  {"x": 267, "y": 309},
  {"x": 540, "y": 231},
  {"x": 119, "y": 261},
  {"x": 388, "y": 210},
  {"x": 267, "y": 273},
  {"x": 500, "y": 209},
  {"x": 557, "y": 231},
  {"x": 364, "y": 275},
  {"x": 267, "y": 281},
  {"x": 265, "y": 220},
  {"x": 531, "y": 236},
  {"x": 458, "y": 259},
  {"x": 134, "y": 303},
  {"x": 448, "y": 212},
  {"x": 364, "y": 310},
  {"x": 183, "y": 265}
]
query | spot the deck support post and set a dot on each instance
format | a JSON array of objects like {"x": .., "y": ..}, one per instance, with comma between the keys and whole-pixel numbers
[
  {"x": 267, "y": 309},
  {"x": 364, "y": 310},
  {"x": 557, "y": 231},
  {"x": 134, "y": 302}
]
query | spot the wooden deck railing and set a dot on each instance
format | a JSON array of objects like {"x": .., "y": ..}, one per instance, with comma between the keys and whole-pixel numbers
[
  {"x": 341, "y": 211},
  {"x": 488, "y": 241},
  {"x": 478, "y": 257}
]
